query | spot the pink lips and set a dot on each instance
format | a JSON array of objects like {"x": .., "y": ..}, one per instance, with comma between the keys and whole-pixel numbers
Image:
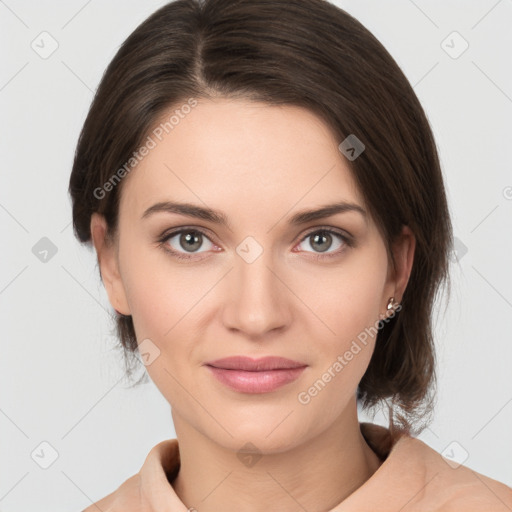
[{"x": 255, "y": 375}]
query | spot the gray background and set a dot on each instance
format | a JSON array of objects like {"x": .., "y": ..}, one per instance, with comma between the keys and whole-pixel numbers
[{"x": 61, "y": 379}]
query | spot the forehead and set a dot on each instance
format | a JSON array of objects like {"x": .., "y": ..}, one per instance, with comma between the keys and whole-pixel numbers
[{"x": 249, "y": 155}]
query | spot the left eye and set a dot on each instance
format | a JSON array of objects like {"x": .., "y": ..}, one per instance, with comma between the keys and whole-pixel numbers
[{"x": 322, "y": 240}]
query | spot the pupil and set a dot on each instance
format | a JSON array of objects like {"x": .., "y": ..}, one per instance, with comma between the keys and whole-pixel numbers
[
  {"x": 322, "y": 238},
  {"x": 191, "y": 240}
]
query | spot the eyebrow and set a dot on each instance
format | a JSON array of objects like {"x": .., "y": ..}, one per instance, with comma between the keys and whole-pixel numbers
[{"x": 217, "y": 217}]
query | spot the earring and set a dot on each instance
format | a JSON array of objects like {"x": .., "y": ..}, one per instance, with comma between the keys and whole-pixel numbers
[{"x": 392, "y": 304}]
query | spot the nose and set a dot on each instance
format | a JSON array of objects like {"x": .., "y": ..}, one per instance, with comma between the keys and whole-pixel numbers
[{"x": 258, "y": 301}]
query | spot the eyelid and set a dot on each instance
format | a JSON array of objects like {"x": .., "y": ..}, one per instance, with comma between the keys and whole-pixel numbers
[
  {"x": 209, "y": 234},
  {"x": 178, "y": 230},
  {"x": 330, "y": 229}
]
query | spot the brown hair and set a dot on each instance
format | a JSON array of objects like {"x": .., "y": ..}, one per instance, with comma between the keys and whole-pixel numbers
[{"x": 306, "y": 53}]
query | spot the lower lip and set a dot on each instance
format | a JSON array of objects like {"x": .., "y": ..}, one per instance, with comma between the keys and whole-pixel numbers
[{"x": 256, "y": 382}]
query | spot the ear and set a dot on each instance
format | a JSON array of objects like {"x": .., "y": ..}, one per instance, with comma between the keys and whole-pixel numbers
[
  {"x": 403, "y": 252},
  {"x": 107, "y": 255}
]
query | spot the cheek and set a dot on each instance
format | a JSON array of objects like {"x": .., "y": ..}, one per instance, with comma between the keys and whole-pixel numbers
[
  {"x": 160, "y": 294},
  {"x": 349, "y": 301},
  {"x": 351, "y": 310},
  {"x": 161, "y": 299}
]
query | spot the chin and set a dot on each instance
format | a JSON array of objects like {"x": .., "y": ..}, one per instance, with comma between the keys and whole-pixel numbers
[{"x": 270, "y": 433}]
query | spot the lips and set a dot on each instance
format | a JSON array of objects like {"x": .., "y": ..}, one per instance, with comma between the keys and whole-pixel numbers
[
  {"x": 246, "y": 375},
  {"x": 255, "y": 365}
]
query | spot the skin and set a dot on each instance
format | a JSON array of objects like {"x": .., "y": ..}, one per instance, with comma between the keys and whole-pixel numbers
[{"x": 258, "y": 164}]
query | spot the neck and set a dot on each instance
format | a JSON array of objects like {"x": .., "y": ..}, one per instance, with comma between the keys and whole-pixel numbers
[{"x": 317, "y": 474}]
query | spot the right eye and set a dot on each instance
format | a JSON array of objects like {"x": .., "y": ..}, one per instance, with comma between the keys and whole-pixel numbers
[{"x": 188, "y": 241}]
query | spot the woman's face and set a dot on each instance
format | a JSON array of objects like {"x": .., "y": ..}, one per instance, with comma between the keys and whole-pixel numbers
[{"x": 257, "y": 284}]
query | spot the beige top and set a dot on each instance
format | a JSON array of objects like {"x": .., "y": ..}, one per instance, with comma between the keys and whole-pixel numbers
[{"x": 412, "y": 477}]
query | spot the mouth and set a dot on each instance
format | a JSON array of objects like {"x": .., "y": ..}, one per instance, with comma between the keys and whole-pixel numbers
[{"x": 263, "y": 375}]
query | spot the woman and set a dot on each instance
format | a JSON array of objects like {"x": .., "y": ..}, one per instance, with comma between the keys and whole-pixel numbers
[{"x": 227, "y": 142}]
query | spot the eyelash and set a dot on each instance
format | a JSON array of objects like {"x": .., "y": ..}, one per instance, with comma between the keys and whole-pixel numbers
[{"x": 162, "y": 241}]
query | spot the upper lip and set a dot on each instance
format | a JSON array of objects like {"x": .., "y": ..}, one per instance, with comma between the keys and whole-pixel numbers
[{"x": 254, "y": 365}]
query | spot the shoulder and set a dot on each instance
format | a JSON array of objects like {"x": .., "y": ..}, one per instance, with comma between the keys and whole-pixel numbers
[
  {"x": 447, "y": 486},
  {"x": 149, "y": 486},
  {"x": 126, "y": 497},
  {"x": 414, "y": 477}
]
